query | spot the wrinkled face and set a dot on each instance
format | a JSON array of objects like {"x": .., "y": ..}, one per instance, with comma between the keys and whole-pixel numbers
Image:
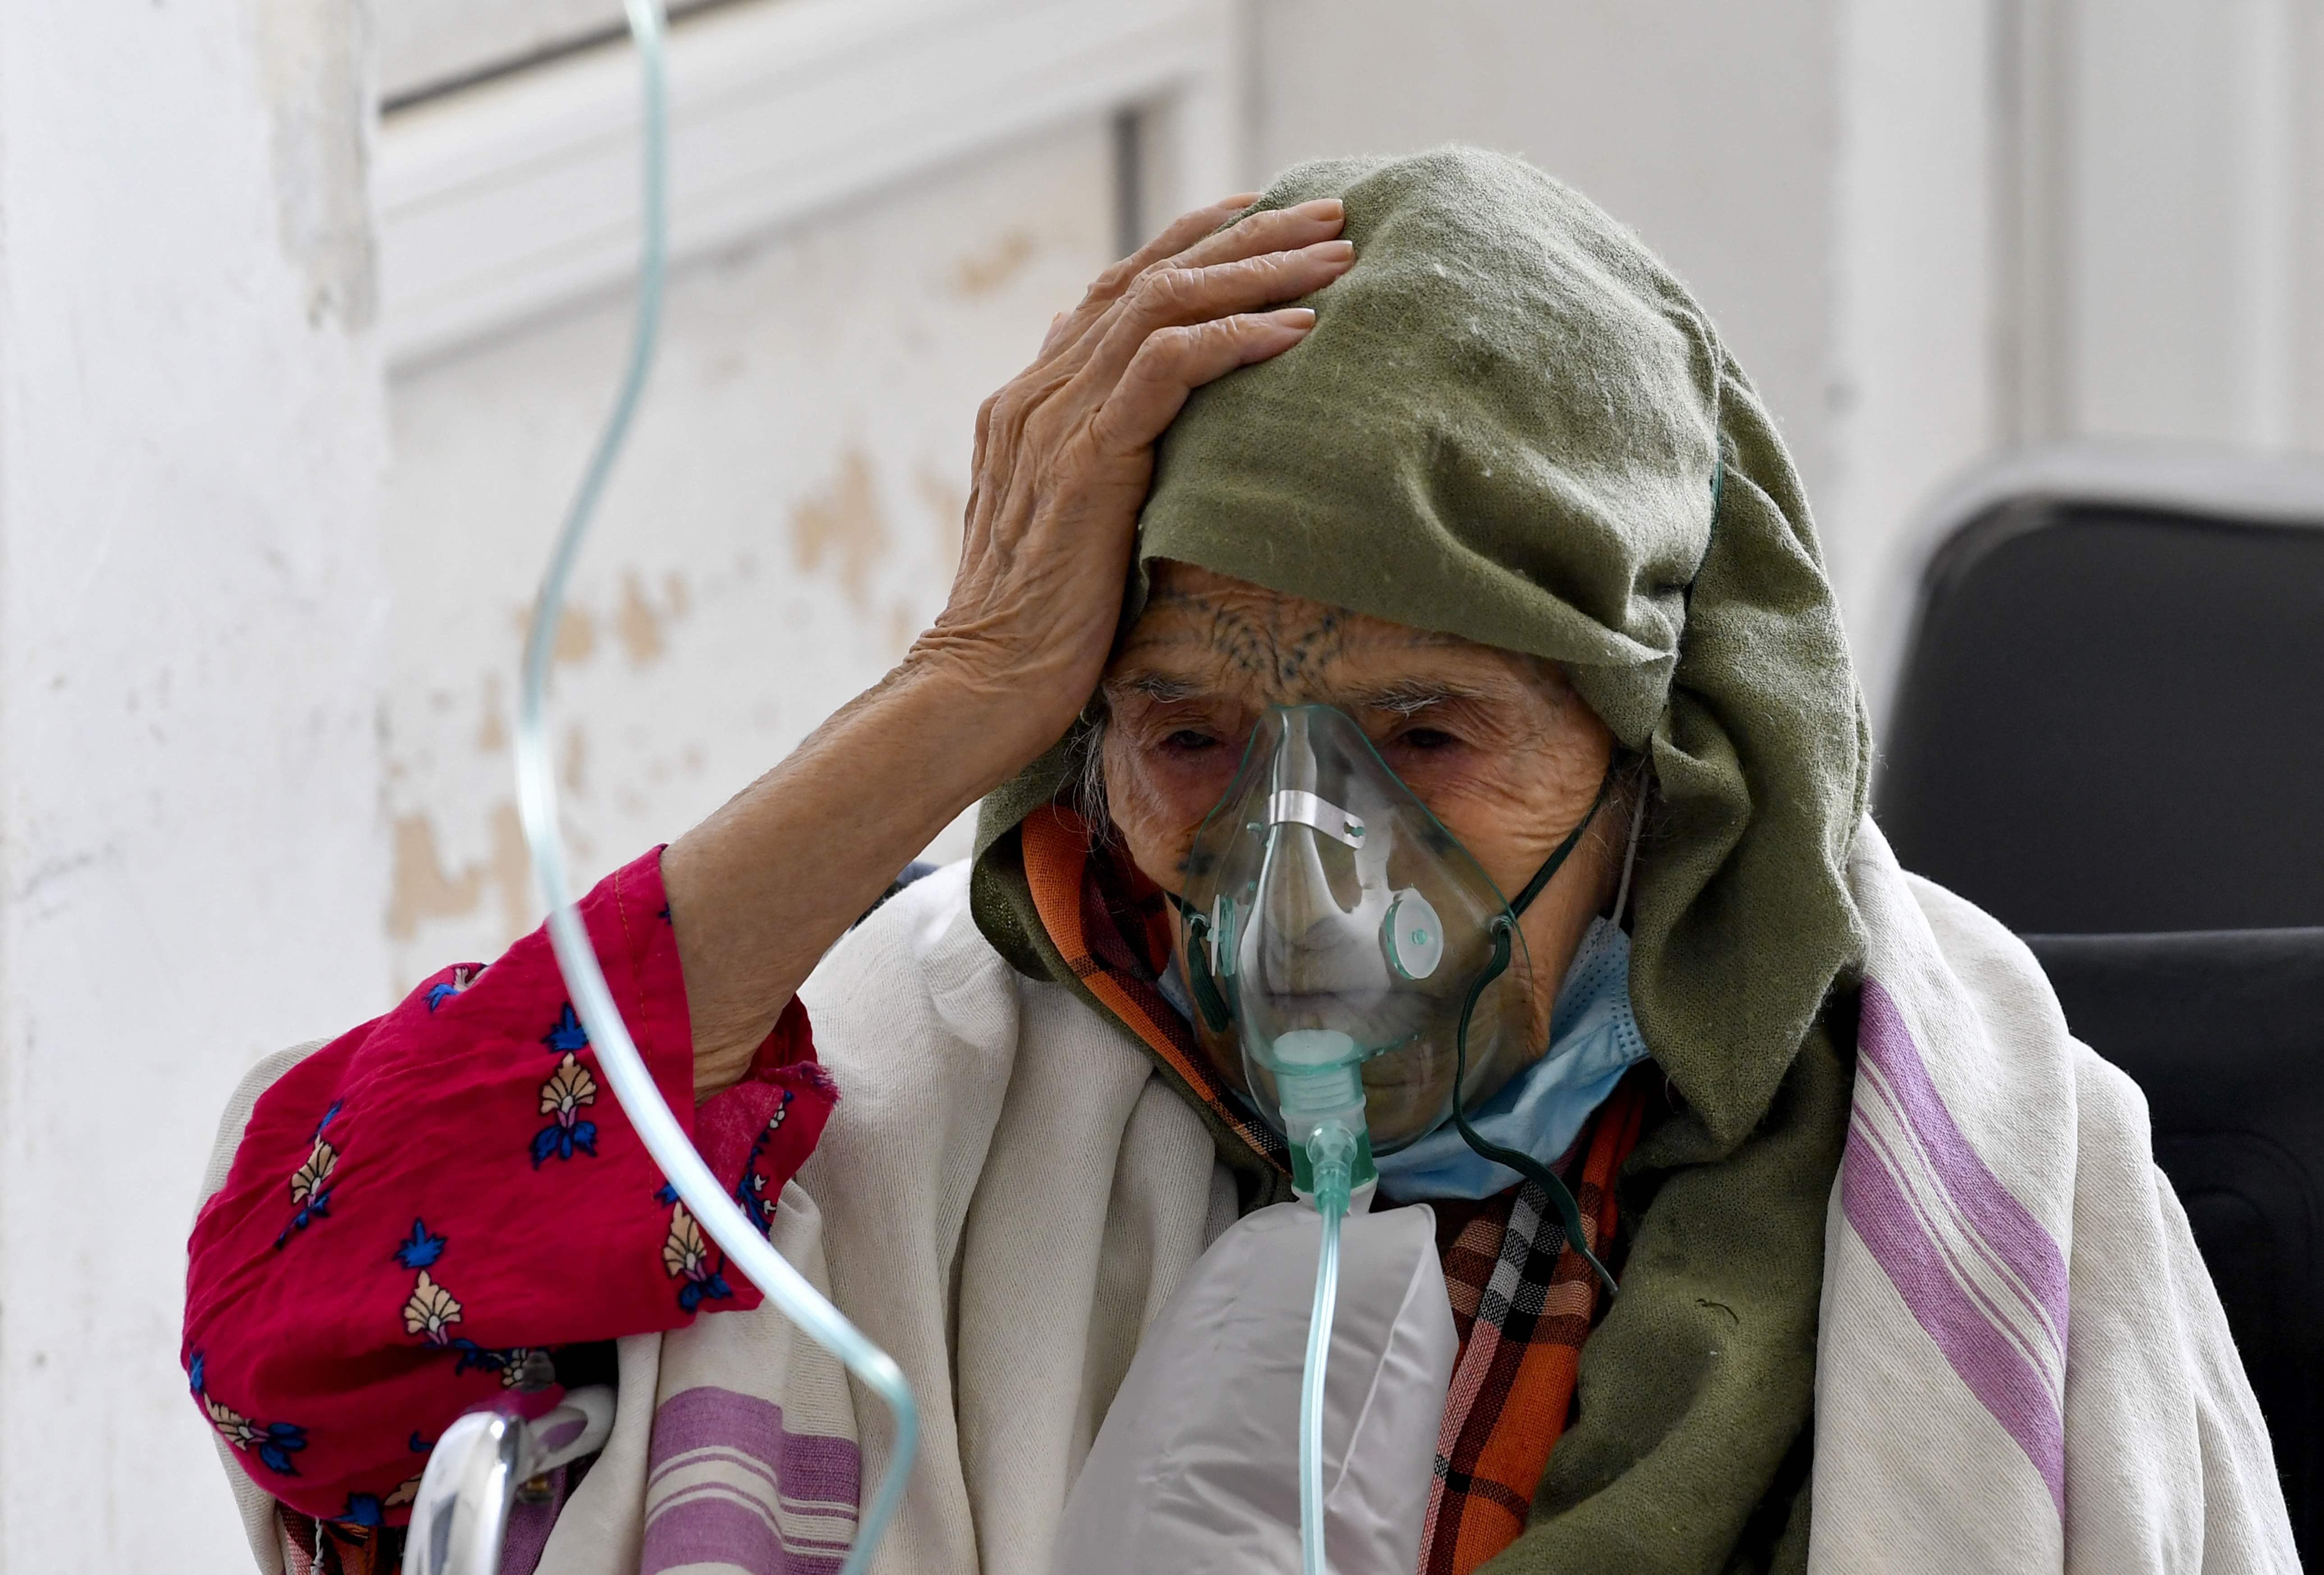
[{"x": 1497, "y": 745}]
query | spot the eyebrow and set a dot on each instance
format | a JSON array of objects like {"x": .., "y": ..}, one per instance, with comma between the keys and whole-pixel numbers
[
  {"x": 1154, "y": 686},
  {"x": 1403, "y": 696},
  {"x": 1409, "y": 697}
]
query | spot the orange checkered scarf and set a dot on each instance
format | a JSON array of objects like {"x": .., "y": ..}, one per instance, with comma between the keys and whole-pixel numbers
[{"x": 1522, "y": 1300}]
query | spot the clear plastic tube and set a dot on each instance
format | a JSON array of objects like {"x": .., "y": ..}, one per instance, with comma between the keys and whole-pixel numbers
[
  {"x": 1330, "y": 1151},
  {"x": 617, "y": 1055}
]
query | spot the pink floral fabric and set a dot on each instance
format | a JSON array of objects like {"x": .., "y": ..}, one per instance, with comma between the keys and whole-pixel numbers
[{"x": 424, "y": 1212}]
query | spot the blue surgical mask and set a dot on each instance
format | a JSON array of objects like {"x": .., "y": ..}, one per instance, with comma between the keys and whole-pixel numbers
[{"x": 1593, "y": 1040}]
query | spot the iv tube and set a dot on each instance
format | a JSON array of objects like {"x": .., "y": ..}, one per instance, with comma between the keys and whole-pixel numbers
[
  {"x": 617, "y": 1055},
  {"x": 1329, "y": 1152}
]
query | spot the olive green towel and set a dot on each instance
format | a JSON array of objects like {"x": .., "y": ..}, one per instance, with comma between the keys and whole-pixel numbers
[{"x": 1512, "y": 424}]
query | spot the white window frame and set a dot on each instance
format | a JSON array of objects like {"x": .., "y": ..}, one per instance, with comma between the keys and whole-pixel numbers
[{"x": 503, "y": 202}]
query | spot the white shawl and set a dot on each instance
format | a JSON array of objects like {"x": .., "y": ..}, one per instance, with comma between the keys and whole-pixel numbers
[{"x": 2022, "y": 1364}]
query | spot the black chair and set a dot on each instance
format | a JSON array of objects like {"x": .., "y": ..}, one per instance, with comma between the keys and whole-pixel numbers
[
  {"x": 2224, "y": 1030},
  {"x": 2111, "y": 719},
  {"x": 2109, "y": 733}
]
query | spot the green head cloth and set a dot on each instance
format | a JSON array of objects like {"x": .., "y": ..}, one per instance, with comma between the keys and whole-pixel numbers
[{"x": 1512, "y": 424}]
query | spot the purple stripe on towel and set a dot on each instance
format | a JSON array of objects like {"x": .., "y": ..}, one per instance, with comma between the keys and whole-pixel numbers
[
  {"x": 719, "y": 1530},
  {"x": 825, "y": 1470},
  {"x": 1996, "y": 1371},
  {"x": 2014, "y": 1235},
  {"x": 529, "y": 1525},
  {"x": 798, "y": 1545},
  {"x": 710, "y": 1522},
  {"x": 1987, "y": 1361}
]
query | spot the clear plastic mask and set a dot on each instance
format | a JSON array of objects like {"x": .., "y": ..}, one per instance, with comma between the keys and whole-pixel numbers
[{"x": 1329, "y": 919}]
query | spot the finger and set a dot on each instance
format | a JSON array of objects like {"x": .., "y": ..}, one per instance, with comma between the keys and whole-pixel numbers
[
  {"x": 1187, "y": 229},
  {"x": 1181, "y": 232},
  {"x": 1173, "y": 362},
  {"x": 1277, "y": 229},
  {"x": 1177, "y": 297}
]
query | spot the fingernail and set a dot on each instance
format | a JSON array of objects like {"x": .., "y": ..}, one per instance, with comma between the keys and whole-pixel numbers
[
  {"x": 1242, "y": 200},
  {"x": 1296, "y": 317},
  {"x": 1324, "y": 207},
  {"x": 1332, "y": 251}
]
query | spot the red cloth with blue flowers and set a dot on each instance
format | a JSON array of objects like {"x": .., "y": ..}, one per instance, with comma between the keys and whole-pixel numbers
[{"x": 355, "y": 1286}]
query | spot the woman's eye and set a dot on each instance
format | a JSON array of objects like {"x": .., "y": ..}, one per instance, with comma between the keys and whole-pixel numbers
[
  {"x": 1426, "y": 739},
  {"x": 1187, "y": 741}
]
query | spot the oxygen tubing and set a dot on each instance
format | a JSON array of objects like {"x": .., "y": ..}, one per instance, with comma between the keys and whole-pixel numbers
[
  {"x": 1331, "y": 1151},
  {"x": 617, "y": 1054}
]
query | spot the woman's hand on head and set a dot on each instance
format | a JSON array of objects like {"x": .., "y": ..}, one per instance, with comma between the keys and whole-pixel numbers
[{"x": 1065, "y": 452}]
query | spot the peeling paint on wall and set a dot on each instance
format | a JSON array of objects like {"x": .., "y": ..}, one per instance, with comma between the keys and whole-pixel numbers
[
  {"x": 511, "y": 870},
  {"x": 786, "y": 520},
  {"x": 492, "y": 733},
  {"x": 947, "y": 500},
  {"x": 422, "y": 888},
  {"x": 843, "y": 521},
  {"x": 576, "y": 760},
  {"x": 577, "y": 632},
  {"x": 990, "y": 270},
  {"x": 312, "y": 62},
  {"x": 640, "y": 622}
]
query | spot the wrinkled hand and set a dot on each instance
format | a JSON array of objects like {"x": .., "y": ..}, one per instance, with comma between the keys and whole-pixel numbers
[{"x": 1065, "y": 453}]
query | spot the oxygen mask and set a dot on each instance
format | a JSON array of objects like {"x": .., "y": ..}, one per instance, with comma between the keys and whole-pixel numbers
[
  {"x": 1337, "y": 940},
  {"x": 1357, "y": 975}
]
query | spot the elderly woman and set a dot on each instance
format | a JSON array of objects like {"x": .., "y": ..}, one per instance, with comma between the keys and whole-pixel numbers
[{"x": 1899, "y": 1286}]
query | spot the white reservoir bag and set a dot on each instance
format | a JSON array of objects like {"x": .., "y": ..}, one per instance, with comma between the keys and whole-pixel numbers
[{"x": 1196, "y": 1469}]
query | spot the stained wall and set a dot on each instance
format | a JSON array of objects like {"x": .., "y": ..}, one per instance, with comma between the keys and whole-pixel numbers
[
  {"x": 193, "y": 619},
  {"x": 785, "y": 520},
  {"x": 259, "y": 599}
]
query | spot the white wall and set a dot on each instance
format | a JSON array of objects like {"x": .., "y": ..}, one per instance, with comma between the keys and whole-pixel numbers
[
  {"x": 786, "y": 519},
  {"x": 254, "y": 678},
  {"x": 2179, "y": 235},
  {"x": 879, "y": 205},
  {"x": 1917, "y": 351},
  {"x": 245, "y": 668},
  {"x": 192, "y": 618},
  {"x": 1818, "y": 171},
  {"x": 1934, "y": 231},
  {"x": 2153, "y": 214},
  {"x": 1706, "y": 127}
]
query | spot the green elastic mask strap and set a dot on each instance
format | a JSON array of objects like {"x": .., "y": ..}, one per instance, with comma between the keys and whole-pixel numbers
[
  {"x": 1207, "y": 998},
  {"x": 1558, "y": 855},
  {"x": 1525, "y": 1165},
  {"x": 1568, "y": 1214}
]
